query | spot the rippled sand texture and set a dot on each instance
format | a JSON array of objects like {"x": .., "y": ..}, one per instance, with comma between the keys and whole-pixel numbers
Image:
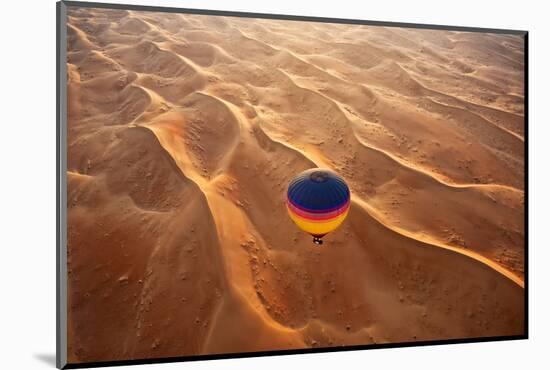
[{"x": 184, "y": 131}]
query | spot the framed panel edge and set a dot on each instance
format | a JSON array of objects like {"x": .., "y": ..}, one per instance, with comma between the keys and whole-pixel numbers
[{"x": 61, "y": 185}]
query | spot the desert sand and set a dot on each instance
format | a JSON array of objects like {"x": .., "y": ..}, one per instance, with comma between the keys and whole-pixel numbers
[{"x": 184, "y": 131}]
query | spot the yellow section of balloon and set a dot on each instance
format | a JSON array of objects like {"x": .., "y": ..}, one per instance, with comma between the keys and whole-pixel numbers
[{"x": 317, "y": 227}]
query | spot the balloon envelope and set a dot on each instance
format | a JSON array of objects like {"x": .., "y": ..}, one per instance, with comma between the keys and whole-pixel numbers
[{"x": 318, "y": 201}]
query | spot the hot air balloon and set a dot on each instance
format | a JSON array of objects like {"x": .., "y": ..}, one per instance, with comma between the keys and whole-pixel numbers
[{"x": 318, "y": 201}]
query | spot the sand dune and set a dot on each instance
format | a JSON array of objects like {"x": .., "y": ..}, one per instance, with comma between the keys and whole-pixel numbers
[{"x": 184, "y": 132}]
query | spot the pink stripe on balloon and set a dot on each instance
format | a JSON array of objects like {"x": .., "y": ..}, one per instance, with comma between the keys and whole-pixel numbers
[{"x": 318, "y": 216}]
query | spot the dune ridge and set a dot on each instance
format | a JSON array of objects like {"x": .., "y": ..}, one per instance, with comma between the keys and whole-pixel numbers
[{"x": 184, "y": 131}]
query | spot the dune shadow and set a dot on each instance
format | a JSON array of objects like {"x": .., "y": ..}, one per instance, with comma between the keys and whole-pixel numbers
[{"x": 47, "y": 358}]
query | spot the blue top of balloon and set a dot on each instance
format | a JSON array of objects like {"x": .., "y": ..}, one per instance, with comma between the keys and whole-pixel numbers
[{"x": 318, "y": 190}]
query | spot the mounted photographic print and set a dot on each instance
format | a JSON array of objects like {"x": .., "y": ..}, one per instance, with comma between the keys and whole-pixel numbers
[{"x": 237, "y": 184}]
